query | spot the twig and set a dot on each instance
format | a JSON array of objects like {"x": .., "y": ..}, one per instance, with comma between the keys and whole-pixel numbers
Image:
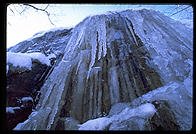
[
  {"x": 180, "y": 10},
  {"x": 44, "y": 10}
]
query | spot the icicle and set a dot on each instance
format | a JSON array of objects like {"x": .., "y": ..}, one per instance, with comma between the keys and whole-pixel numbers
[
  {"x": 131, "y": 30},
  {"x": 78, "y": 66},
  {"x": 75, "y": 40},
  {"x": 102, "y": 37},
  {"x": 93, "y": 53}
]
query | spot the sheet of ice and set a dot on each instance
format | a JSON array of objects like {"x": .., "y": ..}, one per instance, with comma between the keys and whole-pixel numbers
[
  {"x": 168, "y": 42},
  {"x": 19, "y": 126}
]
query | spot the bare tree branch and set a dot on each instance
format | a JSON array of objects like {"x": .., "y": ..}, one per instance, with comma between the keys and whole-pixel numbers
[
  {"x": 11, "y": 10},
  {"x": 24, "y": 9},
  {"x": 44, "y": 10},
  {"x": 46, "y": 7},
  {"x": 180, "y": 10}
]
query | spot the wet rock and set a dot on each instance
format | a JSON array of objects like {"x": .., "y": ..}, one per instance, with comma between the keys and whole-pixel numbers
[
  {"x": 134, "y": 123},
  {"x": 164, "y": 119},
  {"x": 22, "y": 88},
  {"x": 71, "y": 123},
  {"x": 18, "y": 115}
]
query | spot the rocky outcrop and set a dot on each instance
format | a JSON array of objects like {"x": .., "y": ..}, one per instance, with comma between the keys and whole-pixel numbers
[
  {"x": 22, "y": 84},
  {"x": 115, "y": 58}
]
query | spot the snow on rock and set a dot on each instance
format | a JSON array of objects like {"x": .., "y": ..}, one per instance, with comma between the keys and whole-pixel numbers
[
  {"x": 40, "y": 57},
  {"x": 51, "y": 56},
  {"x": 146, "y": 110},
  {"x": 96, "y": 124},
  {"x": 19, "y": 60},
  {"x": 25, "y": 59},
  {"x": 27, "y": 99},
  {"x": 9, "y": 110},
  {"x": 179, "y": 100},
  {"x": 41, "y": 33},
  {"x": 7, "y": 68}
]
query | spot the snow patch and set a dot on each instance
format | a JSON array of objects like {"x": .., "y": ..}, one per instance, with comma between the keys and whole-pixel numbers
[
  {"x": 96, "y": 124},
  {"x": 9, "y": 110},
  {"x": 7, "y": 68},
  {"x": 27, "y": 99},
  {"x": 19, "y": 60},
  {"x": 25, "y": 59},
  {"x": 41, "y": 33}
]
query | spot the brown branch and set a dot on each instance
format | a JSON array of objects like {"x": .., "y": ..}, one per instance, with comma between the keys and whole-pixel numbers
[
  {"x": 44, "y": 10},
  {"x": 23, "y": 9},
  {"x": 180, "y": 10},
  {"x": 12, "y": 10}
]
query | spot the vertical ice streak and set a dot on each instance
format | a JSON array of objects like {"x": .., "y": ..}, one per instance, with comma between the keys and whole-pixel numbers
[
  {"x": 102, "y": 37},
  {"x": 131, "y": 30}
]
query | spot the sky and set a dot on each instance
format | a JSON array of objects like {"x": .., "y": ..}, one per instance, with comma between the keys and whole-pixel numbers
[{"x": 23, "y": 26}]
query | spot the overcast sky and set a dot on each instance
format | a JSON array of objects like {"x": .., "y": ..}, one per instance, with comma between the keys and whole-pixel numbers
[{"x": 24, "y": 26}]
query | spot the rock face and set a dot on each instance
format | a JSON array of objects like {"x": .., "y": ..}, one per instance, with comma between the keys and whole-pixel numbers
[{"x": 113, "y": 58}]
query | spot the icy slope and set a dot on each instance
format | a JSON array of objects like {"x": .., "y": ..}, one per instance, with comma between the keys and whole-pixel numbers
[
  {"x": 46, "y": 42},
  {"x": 112, "y": 58}
]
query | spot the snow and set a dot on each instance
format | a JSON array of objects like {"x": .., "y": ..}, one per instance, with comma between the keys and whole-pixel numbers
[
  {"x": 41, "y": 33},
  {"x": 19, "y": 60},
  {"x": 27, "y": 99},
  {"x": 9, "y": 110},
  {"x": 25, "y": 59},
  {"x": 7, "y": 69},
  {"x": 146, "y": 110},
  {"x": 51, "y": 56},
  {"x": 187, "y": 23},
  {"x": 41, "y": 57},
  {"x": 96, "y": 124}
]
